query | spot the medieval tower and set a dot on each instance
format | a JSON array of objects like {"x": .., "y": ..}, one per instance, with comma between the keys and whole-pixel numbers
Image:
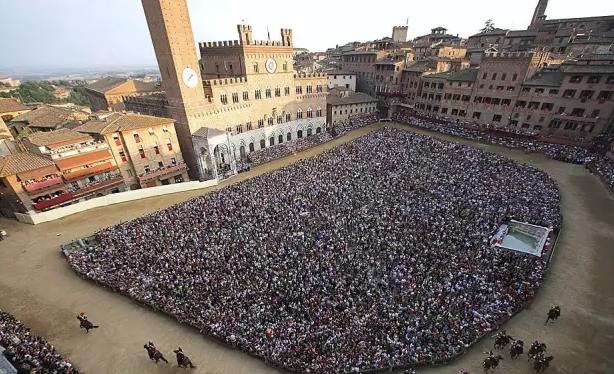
[
  {"x": 171, "y": 33},
  {"x": 539, "y": 16}
]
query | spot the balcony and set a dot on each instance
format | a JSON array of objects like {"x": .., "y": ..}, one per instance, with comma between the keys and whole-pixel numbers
[
  {"x": 44, "y": 204},
  {"x": 86, "y": 172},
  {"x": 35, "y": 186},
  {"x": 162, "y": 172},
  {"x": 98, "y": 186}
]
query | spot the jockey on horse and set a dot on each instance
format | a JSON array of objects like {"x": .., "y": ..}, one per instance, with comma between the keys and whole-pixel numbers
[
  {"x": 154, "y": 353},
  {"x": 553, "y": 314},
  {"x": 491, "y": 362},
  {"x": 502, "y": 339},
  {"x": 183, "y": 361},
  {"x": 517, "y": 348},
  {"x": 536, "y": 350},
  {"x": 85, "y": 323},
  {"x": 542, "y": 363}
]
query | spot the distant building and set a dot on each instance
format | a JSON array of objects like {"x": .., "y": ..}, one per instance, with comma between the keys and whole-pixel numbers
[
  {"x": 108, "y": 93},
  {"x": 87, "y": 166},
  {"x": 47, "y": 118},
  {"x": 341, "y": 104},
  {"x": 145, "y": 148},
  {"x": 11, "y": 108},
  {"x": 399, "y": 33},
  {"x": 340, "y": 78}
]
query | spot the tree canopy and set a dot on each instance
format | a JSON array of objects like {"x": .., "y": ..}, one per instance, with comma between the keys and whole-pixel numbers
[{"x": 42, "y": 92}]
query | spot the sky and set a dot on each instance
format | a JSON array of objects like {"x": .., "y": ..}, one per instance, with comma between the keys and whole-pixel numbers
[{"x": 109, "y": 33}]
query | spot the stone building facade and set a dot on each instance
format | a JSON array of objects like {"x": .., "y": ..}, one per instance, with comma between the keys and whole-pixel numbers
[
  {"x": 248, "y": 87},
  {"x": 109, "y": 93},
  {"x": 343, "y": 104},
  {"x": 145, "y": 148}
]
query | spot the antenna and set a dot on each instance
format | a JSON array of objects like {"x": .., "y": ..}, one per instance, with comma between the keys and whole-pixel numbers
[{"x": 268, "y": 32}]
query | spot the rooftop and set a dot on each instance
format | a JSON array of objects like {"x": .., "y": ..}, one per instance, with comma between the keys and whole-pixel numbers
[
  {"x": 109, "y": 83},
  {"x": 57, "y": 136},
  {"x": 121, "y": 122},
  {"x": 19, "y": 162},
  {"x": 465, "y": 75},
  {"x": 351, "y": 98},
  {"x": 10, "y": 104},
  {"x": 545, "y": 78},
  {"x": 47, "y": 116}
]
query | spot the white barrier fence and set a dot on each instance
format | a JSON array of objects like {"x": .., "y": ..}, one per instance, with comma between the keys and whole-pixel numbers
[{"x": 35, "y": 218}]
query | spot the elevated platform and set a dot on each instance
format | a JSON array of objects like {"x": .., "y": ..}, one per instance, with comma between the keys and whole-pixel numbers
[{"x": 522, "y": 237}]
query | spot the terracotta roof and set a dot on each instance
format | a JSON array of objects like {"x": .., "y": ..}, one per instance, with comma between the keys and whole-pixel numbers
[
  {"x": 10, "y": 104},
  {"x": 50, "y": 117},
  {"x": 20, "y": 162},
  {"x": 352, "y": 98},
  {"x": 83, "y": 159},
  {"x": 122, "y": 122},
  {"x": 56, "y": 136},
  {"x": 107, "y": 84}
]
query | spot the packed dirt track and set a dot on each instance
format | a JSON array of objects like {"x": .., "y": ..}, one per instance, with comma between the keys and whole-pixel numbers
[{"x": 38, "y": 287}]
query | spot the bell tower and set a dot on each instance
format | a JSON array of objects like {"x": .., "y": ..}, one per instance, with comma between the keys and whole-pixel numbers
[
  {"x": 539, "y": 16},
  {"x": 173, "y": 41}
]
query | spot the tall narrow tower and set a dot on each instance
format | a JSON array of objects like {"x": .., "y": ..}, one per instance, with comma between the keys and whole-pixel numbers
[
  {"x": 173, "y": 41},
  {"x": 539, "y": 16}
]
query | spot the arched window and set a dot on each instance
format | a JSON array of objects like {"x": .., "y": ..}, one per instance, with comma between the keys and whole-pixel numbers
[
  {"x": 251, "y": 147},
  {"x": 309, "y": 131},
  {"x": 288, "y": 137},
  {"x": 262, "y": 144},
  {"x": 280, "y": 139},
  {"x": 299, "y": 134},
  {"x": 256, "y": 69},
  {"x": 299, "y": 114},
  {"x": 309, "y": 113},
  {"x": 272, "y": 141},
  {"x": 318, "y": 130},
  {"x": 319, "y": 112}
]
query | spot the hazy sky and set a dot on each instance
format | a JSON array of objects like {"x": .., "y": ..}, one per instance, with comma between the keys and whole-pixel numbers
[{"x": 101, "y": 33}]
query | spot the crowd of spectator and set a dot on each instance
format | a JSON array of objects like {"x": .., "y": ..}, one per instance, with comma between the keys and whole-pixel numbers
[
  {"x": 29, "y": 353},
  {"x": 349, "y": 261},
  {"x": 599, "y": 164}
]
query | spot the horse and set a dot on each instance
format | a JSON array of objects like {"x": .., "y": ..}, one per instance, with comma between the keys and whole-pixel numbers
[
  {"x": 517, "y": 349},
  {"x": 542, "y": 363},
  {"x": 553, "y": 314},
  {"x": 502, "y": 339},
  {"x": 85, "y": 324},
  {"x": 536, "y": 350},
  {"x": 491, "y": 362},
  {"x": 183, "y": 361},
  {"x": 154, "y": 353}
]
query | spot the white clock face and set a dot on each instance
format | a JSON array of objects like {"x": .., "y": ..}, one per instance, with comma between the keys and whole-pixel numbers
[
  {"x": 271, "y": 65},
  {"x": 190, "y": 78}
]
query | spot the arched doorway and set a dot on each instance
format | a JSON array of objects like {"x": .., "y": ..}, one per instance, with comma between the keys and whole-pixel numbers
[
  {"x": 251, "y": 147},
  {"x": 262, "y": 143},
  {"x": 280, "y": 139},
  {"x": 318, "y": 130},
  {"x": 271, "y": 141},
  {"x": 242, "y": 153},
  {"x": 309, "y": 132},
  {"x": 288, "y": 136},
  {"x": 299, "y": 134}
]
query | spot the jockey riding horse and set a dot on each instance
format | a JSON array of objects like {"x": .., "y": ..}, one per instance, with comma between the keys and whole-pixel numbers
[
  {"x": 154, "y": 353},
  {"x": 516, "y": 349},
  {"x": 183, "y": 361},
  {"x": 85, "y": 323},
  {"x": 502, "y": 339},
  {"x": 553, "y": 314},
  {"x": 536, "y": 350}
]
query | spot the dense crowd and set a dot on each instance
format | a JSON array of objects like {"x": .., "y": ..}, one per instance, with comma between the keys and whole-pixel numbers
[
  {"x": 345, "y": 262},
  {"x": 285, "y": 149},
  {"x": 598, "y": 164},
  {"x": 27, "y": 352},
  {"x": 265, "y": 155},
  {"x": 559, "y": 152}
]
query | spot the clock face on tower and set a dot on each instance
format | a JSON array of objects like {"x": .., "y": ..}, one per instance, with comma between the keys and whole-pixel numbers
[
  {"x": 190, "y": 78},
  {"x": 271, "y": 65}
]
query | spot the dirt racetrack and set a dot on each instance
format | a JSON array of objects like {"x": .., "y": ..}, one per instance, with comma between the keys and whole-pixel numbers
[{"x": 38, "y": 287}]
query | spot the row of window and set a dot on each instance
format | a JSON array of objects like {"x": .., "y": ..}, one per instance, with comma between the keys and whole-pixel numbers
[
  {"x": 355, "y": 111},
  {"x": 502, "y": 77},
  {"x": 280, "y": 139},
  {"x": 591, "y": 79},
  {"x": 268, "y": 93},
  {"x": 270, "y": 121}
]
